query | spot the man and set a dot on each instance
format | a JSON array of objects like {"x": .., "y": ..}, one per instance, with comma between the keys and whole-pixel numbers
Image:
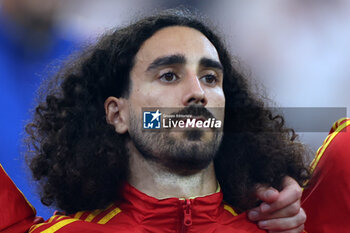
[{"x": 95, "y": 162}]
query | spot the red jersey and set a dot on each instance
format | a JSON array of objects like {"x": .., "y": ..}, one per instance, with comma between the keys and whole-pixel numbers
[
  {"x": 139, "y": 212},
  {"x": 326, "y": 200},
  {"x": 17, "y": 214}
]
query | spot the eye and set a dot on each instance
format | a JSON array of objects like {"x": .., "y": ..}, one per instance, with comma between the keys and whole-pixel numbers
[
  {"x": 210, "y": 79},
  {"x": 168, "y": 77}
]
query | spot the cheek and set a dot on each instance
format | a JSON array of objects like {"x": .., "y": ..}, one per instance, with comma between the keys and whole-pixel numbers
[
  {"x": 216, "y": 98},
  {"x": 150, "y": 96},
  {"x": 216, "y": 103}
]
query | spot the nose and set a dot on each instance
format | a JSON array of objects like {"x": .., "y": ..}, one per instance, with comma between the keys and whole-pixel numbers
[{"x": 193, "y": 92}]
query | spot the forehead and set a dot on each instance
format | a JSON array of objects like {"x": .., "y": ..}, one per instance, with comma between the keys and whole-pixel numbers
[{"x": 177, "y": 40}]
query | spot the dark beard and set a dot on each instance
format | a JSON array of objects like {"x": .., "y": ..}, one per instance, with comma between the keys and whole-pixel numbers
[
  {"x": 175, "y": 155},
  {"x": 185, "y": 155}
]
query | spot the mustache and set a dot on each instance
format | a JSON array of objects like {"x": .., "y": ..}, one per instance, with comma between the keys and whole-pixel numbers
[{"x": 195, "y": 111}]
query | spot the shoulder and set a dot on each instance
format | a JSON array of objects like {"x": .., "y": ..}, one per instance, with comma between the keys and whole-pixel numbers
[
  {"x": 53, "y": 224},
  {"x": 335, "y": 148},
  {"x": 100, "y": 216},
  {"x": 82, "y": 221}
]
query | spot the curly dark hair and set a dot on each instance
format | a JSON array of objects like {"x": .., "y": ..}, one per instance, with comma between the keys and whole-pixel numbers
[{"x": 80, "y": 161}]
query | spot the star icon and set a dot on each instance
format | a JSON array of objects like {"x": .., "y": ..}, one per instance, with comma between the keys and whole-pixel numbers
[{"x": 156, "y": 115}]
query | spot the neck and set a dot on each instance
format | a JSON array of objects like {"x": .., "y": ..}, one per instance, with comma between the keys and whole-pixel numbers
[{"x": 154, "y": 180}]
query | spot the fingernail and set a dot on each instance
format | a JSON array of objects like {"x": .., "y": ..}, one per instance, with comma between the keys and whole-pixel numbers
[
  {"x": 265, "y": 207},
  {"x": 269, "y": 193},
  {"x": 263, "y": 224},
  {"x": 253, "y": 215}
]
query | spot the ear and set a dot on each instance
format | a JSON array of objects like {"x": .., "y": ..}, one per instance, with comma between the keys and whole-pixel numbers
[{"x": 116, "y": 113}]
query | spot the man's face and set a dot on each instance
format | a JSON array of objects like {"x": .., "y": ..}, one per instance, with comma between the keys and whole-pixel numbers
[{"x": 177, "y": 67}]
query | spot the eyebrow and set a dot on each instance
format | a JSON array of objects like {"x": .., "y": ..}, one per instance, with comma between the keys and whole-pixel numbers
[
  {"x": 210, "y": 63},
  {"x": 167, "y": 60},
  {"x": 180, "y": 59}
]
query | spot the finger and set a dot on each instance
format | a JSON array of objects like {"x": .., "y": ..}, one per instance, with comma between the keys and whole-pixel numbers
[
  {"x": 299, "y": 229},
  {"x": 266, "y": 194},
  {"x": 254, "y": 214},
  {"x": 289, "y": 211},
  {"x": 283, "y": 224},
  {"x": 291, "y": 193}
]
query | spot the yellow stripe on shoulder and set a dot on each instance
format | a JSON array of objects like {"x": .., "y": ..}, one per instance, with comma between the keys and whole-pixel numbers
[
  {"x": 109, "y": 216},
  {"x": 230, "y": 209},
  {"x": 32, "y": 228},
  {"x": 337, "y": 127},
  {"x": 78, "y": 214},
  {"x": 53, "y": 224},
  {"x": 339, "y": 122},
  {"x": 52, "y": 218},
  {"x": 59, "y": 225},
  {"x": 92, "y": 215}
]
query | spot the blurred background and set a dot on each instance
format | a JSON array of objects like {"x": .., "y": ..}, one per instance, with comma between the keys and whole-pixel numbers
[{"x": 297, "y": 52}]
